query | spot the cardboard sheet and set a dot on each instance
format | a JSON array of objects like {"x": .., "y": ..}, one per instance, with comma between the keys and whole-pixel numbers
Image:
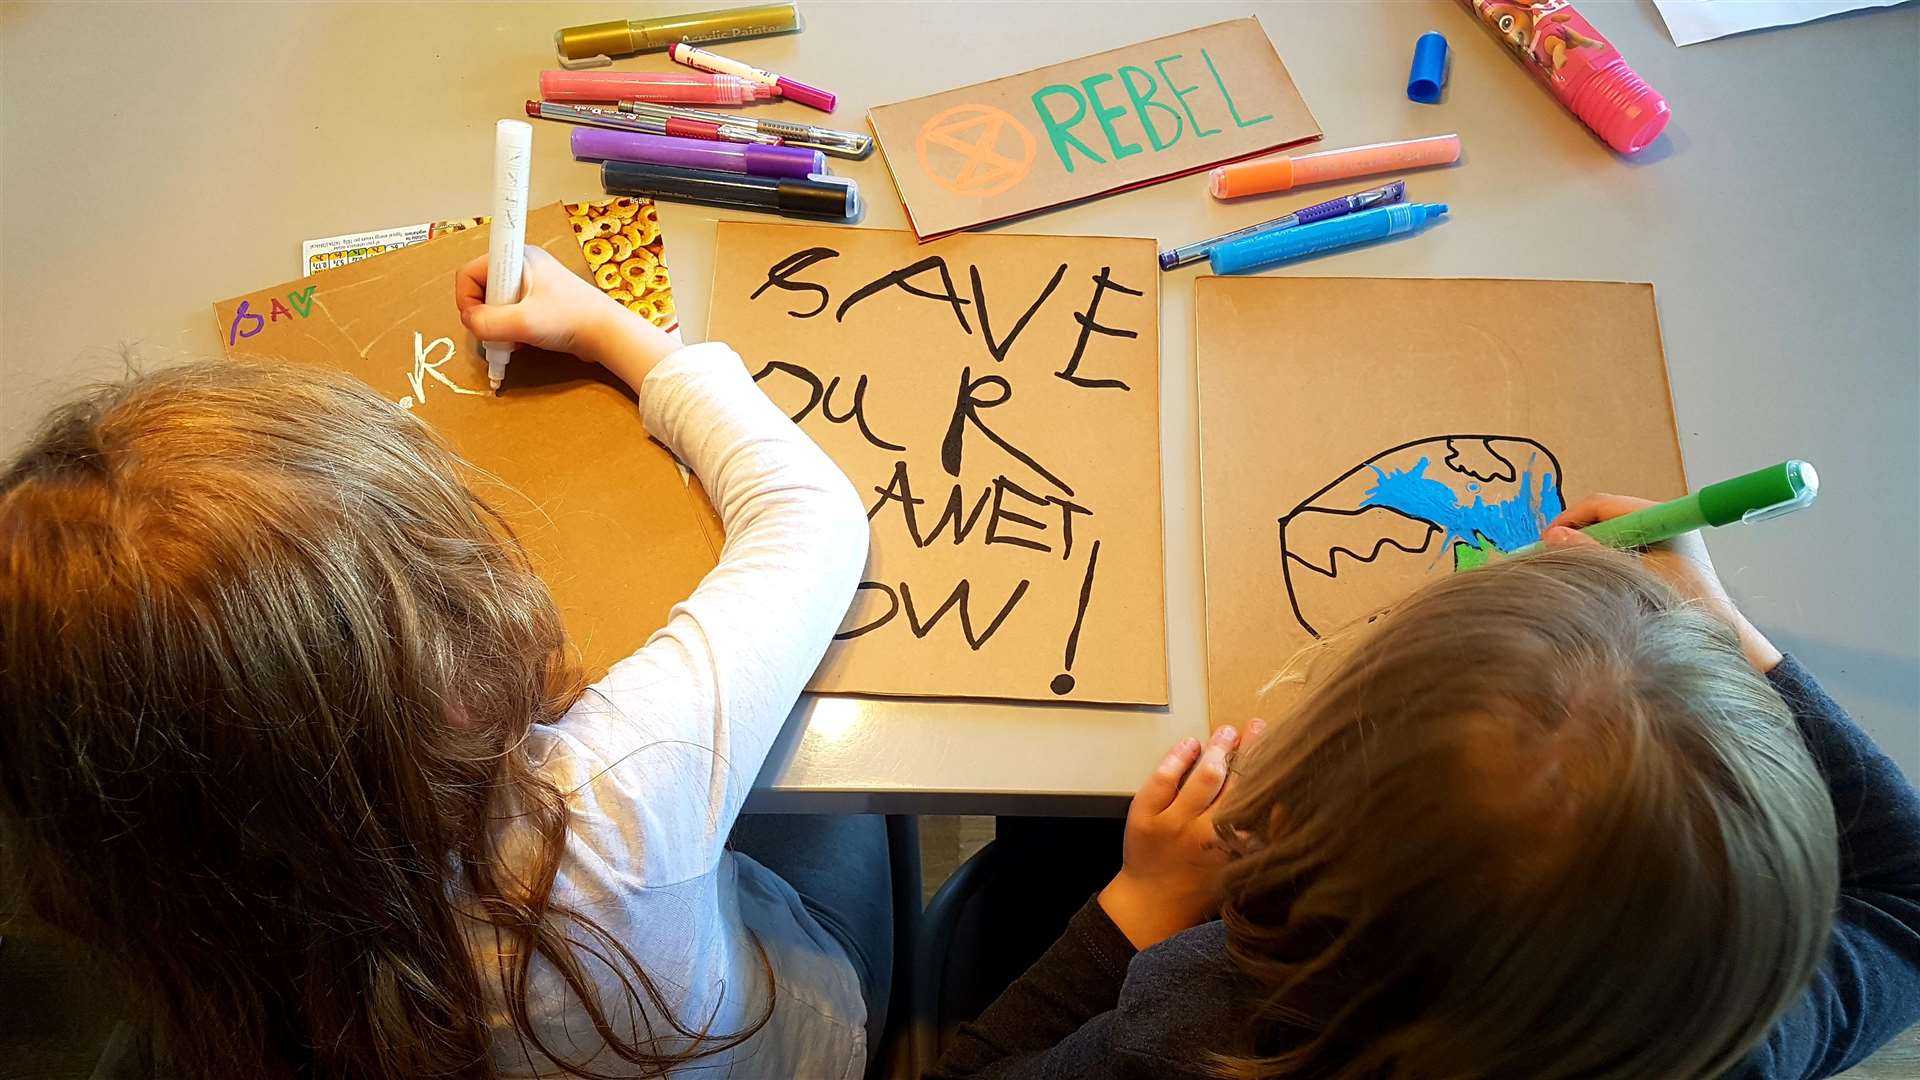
[
  {"x": 995, "y": 400},
  {"x": 1086, "y": 127},
  {"x": 1355, "y": 433},
  {"x": 617, "y": 529}
]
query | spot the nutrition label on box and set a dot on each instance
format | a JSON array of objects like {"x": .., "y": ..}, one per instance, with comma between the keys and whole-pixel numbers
[{"x": 329, "y": 252}]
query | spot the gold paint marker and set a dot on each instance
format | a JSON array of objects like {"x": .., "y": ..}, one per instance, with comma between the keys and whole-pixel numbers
[{"x": 597, "y": 44}]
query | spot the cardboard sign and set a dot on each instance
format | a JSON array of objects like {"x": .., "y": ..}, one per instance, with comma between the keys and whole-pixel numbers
[
  {"x": 995, "y": 400},
  {"x": 1103, "y": 123},
  {"x": 618, "y": 531},
  {"x": 1357, "y": 434}
]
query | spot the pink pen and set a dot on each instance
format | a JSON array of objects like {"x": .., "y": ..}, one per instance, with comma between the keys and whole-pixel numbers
[
  {"x": 682, "y": 53},
  {"x": 674, "y": 87},
  {"x": 1578, "y": 67}
]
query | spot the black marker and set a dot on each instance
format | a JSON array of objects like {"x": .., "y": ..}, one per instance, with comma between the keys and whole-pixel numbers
[{"x": 833, "y": 198}]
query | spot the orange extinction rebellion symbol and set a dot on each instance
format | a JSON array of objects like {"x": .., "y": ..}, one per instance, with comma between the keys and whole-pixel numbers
[{"x": 981, "y": 158}]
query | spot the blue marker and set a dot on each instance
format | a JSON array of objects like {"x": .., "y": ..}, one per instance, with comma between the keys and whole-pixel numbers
[{"x": 1270, "y": 249}]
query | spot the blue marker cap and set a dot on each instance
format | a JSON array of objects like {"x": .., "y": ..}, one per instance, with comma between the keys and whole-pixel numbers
[{"x": 1429, "y": 72}]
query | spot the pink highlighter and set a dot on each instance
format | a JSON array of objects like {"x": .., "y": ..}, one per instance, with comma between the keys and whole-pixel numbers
[
  {"x": 672, "y": 87},
  {"x": 1579, "y": 67}
]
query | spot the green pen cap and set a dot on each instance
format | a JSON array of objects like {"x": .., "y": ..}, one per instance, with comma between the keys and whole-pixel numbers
[{"x": 1761, "y": 494}]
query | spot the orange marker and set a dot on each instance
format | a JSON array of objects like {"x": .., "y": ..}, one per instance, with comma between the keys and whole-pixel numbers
[{"x": 1282, "y": 173}]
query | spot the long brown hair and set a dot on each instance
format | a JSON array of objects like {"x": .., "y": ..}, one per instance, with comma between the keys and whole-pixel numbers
[
  {"x": 1540, "y": 820},
  {"x": 266, "y": 668}
]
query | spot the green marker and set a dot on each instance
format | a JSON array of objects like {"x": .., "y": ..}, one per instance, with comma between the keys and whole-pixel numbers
[{"x": 1757, "y": 496}]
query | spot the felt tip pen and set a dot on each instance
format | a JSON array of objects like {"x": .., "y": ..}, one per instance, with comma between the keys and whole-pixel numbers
[
  {"x": 846, "y": 144},
  {"x": 791, "y": 89},
  {"x": 721, "y": 128},
  {"x": 677, "y": 87},
  {"x": 1385, "y": 195},
  {"x": 595, "y": 144},
  {"x": 1760, "y": 495},
  {"x": 1282, "y": 172},
  {"x": 1273, "y": 248},
  {"x": 597, "y": 44},
  {"x": 833, "y": 198}
]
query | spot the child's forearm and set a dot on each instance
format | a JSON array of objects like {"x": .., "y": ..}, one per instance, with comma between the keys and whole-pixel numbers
[{"x": 626, "y": 344}]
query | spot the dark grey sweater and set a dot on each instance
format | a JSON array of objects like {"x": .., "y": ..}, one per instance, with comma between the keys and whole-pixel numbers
[{"x": 1092, "y": 1008}]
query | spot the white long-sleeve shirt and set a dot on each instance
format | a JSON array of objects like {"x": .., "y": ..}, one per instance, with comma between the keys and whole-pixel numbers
[{"x": 657, "y": 758}]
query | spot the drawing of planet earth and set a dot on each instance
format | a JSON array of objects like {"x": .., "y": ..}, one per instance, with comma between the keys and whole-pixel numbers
[{"x": 1377, "y": 531}]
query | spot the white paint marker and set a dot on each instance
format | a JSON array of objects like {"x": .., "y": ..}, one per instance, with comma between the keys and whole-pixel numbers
[{"x": 506, "y": 255}]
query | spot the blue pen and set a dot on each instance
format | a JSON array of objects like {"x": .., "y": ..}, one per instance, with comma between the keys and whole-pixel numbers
[
  {"x": 1385, "y": 195},
  {"x": 1270, "y": 249}
]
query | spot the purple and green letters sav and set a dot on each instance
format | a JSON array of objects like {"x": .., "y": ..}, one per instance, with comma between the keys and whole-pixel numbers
[
  {"x": 1155, "y": 97},
  {"x": 247, "y": 322}
]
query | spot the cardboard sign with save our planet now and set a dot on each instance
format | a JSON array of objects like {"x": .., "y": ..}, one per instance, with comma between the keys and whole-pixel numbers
[{"x": 1103, "y": 123}]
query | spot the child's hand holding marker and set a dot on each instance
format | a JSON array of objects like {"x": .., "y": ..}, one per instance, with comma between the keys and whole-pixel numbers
[
  {"x": 560, "y": 312},
  {"x": 1169, "y": 878},
  {"x": 1682, "y": 560}
]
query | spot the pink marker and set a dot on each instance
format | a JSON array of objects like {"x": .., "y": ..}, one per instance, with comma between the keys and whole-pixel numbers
[
  {"x": 682, "y": 53},
  {"x": 1578, "y": 67},
  {"x": 674, "y": 87}
]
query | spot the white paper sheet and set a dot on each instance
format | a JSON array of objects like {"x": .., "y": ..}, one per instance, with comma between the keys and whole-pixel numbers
[{"x": 1693, "y": 21}]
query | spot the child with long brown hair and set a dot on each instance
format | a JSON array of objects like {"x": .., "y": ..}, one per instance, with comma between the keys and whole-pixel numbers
[
  {"x": 290, "y": 732},
  {"x": 1567, "y": 816}
]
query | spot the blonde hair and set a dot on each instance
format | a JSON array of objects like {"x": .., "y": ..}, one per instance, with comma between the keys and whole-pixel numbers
[
  {"x": 267, "y": 665},
  {"x": 1543, "y": 820}
]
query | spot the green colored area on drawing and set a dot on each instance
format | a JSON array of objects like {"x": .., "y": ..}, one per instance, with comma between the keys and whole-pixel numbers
[
  {"x": 1180, "y": 95},
  {"x": 1060, "y": 132},
  {"x": 1228, "y": 98},
  {"x": 302, "y": 301},
  {"x": 1470, "y": 556},
  {"x": 1142, "y": 98},
  {"x": 1106, "y": 114},
  {"x": 1142, "y": 88}
]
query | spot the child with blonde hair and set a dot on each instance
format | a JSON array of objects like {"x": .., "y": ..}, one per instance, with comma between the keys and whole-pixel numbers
[
  {"x": 1567, "y": 816},
  {"x": 291, "y": 734}
]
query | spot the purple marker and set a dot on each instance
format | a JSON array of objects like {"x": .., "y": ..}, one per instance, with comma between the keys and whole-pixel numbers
[{"x": 791, "y": 162}]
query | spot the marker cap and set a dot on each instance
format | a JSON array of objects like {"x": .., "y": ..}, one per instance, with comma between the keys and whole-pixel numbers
[
  {"x": 811, "y": 96},
  {"x": 1429, "y": 71},
  {"x": 595, "y": 44},
  {"x": 1760, "y": 494}
]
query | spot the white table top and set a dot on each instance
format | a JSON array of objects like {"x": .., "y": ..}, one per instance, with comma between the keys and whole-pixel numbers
[{"x": 158, "y": 157}]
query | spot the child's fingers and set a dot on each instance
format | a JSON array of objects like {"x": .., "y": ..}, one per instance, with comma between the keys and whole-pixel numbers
[
  {"x": 1208, "y": 777},
  {"x": 470, "y": 283},
  {"x": 1157, "y": 793},
  {"x": 1561, "y": 536},
  {"x": 496, "y": 322},
  {"x": 1598, "y": 507},
  {"x": 1248, "y": 739}
]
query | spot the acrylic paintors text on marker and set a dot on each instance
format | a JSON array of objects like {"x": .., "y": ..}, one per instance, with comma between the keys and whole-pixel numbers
[
  {"x": 596, "y": 44},
  {"x": 1154, "y": 113}
]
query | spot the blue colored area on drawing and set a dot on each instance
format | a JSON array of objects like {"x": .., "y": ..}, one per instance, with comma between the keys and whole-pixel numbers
[{"x": 1511, "y": 523}]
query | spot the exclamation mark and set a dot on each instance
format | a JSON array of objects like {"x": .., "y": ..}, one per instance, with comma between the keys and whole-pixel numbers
[{"x": 1063, "y": 682}]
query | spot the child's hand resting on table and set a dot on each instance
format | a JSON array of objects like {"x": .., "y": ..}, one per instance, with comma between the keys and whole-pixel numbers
[
  {"x": 1170, "y": 876},
  {"x": 561, "y": 312},
  {"x": 1683, "y": 561}
]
